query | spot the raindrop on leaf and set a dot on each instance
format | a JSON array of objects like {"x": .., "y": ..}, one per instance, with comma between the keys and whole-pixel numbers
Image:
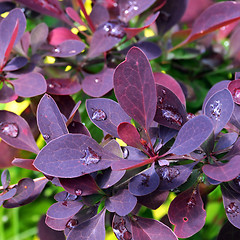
[
  {"x": 120, "y": 230},
  {"x": 216, "y": 109},
  {"x": 232, "y": 209},
  {"x": 114, "y": 29},
  {"x": 78, "y": 192},
  {"x": 46, "y": 136},
  {"x": 99, "y": 115},
  {"x": 56, "y": 50},
  {"x": 72, "y": 223},
  {"x": 236, "y": 94},
  {"x": 9, "y": 129},
  {"x": 168, "y": 173},
  {"x": 172, "y": 115},
  {"x": 90, "y": 157},
  {"x": 125, "y": 152}
]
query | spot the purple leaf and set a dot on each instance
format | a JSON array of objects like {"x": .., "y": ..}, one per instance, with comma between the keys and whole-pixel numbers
[
  {"x": 226, "y": 141},
  {"x": 106, "y": 114},
  {"x": 173, "y": 176},
  {"x": 132, "y": 153},
  {"x": 129, "y": 9},
  {"x": 24, "y": 163},
  {"x": 7, "y": 94},
  {"x": 122, "y": 227},
  {"x": 5, "y": 178},
  {"x": 144, "y": 183},
  {"x": 63, "y": 86},
  {"x": 234, "y": 88},
  {"x": 73, "y": 155},
  {"x": 186, "y": 213},
  {"x": 235, "y": 118},
  {"x": 166, "y": 134},
  {"x": 73, "y": 113},
  {"x": 170, "y": 111},
  {"x": 223, "y": 172},
  {"x": 59, "y": 224},
  {"x": 77, "y": 127},
  {"x": 15, "y": 64},
  {"x": 122, "y": 203},
  {"x": 192, "y": 135},
  {"x": 135, "y": 87},
  {"x": 49, "y": 118},
  {"x": 150, "y": 229},
  {"x": 235, "y": 184},
  {"x": 6, "y": 195},
  {"x": 92, "y": 229},
  {"x": 228, "y": 231},
  {"x": 219, "y": 108},
  {"x": 68, "y": 48},
  {"x": 99, "y": 15},
  {"x": 80, "y": 186},
  {"x": 30, "y": 85},
  {"x": 15, "y": 131},
  {"x": 231, "y": 202},
  {"x": 97, "y": 85}
]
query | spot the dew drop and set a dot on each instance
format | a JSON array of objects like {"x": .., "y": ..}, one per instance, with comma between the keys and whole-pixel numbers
[
  {"x": 164, "y": 92},
  {"x": 78, "y": 192},
  {"x": 191, "y": 202},
  {"x": 90, "y": 157},
  {"x": 237, "y": 180},
  {"x": 120, "y": 230},
  {"x": 160, "y": 100},
  {"x": 236, "y": 94},
  {"x": 232, "y": 209},
  {"x": 99, "y": 115},
  {"x": 125, "y": 152},
  {"x": 50, "y": 85},
  {"x": 171, "y": 115},
  {"x": 114, "y": 29},
  {"x": 145, "y": 179},
  {"x": 72, "y": 51},
  {"x": 130, "y": 8},
  {"x": 72, "y": 223},
  {"x": 46, "y": 136},
  {"x": 216, "y": 109},
  {"x": 9, "y": 129},
  {"x": 190, "y": 116},
  {"x": 168, "y": 173},
  {"x": 97, "y": 80},
  {"x": 56, "y": 50}
]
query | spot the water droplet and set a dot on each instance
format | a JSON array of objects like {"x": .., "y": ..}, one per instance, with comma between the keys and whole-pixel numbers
[
  {"x": 172, "y": 115},
  {"x": 168, "y": 173},
  {"x": 130, "y": 7},
  {"x": 46, "y": 136},
  {"x": 191, "y": 202},
  {"x": 70, "y": 197},
  {"x": 164, "y": 92},
  {"x": 185, "y": 219},
  {"x": 72, "y": 51},
  {"x": 56, "y": 50},
  {"x": 99, "y": 115},
  {"x": 237, "y": 180},
  {"x": 54, "y": 85},
  {"x": 125, "y": 152},
  {"x": 160, "y": 100},
  {"x": 78, "y": 192},
  {"x": 90, "y": 157},
  {"x": 72, "y": 223},
  {"x": 50, "y": 85},
  {"x": 216, "y": 109},
  {"x": 9, "y": 129},
  {"x": 145, "y": 179},
  {"x": 232, "y": 209},
  {"x": 64, "y": 203},
  {"x": 236, "y": 94},
  {"x": 190, "y": 116},
  {"x": 120, "y": 230},
  {"x": 114, "y": 29},
  {"x": 97, "y": 80}
]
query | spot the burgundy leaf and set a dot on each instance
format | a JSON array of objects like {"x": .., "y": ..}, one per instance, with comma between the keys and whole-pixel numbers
[
  {"x": 123, "y": 202},
  {"x": 170, "y": 111},
  {"x": 166, "y": 134},
  {"x": 228, "y": 231},
  {"x": 97, "y": 85},
  {"x": 219, "y": 108},
  {"x": 223, "y": 172},
  {"x": 99, "y": 15},
  {"x": 231, "y": 202},
  {"x": 15, "y": 64},
  {"x": 7, "y": 94},
  {"x": 7, "y": 154},
  {"x": 80, "y": 186},
  {"x": 93, "y": 229},
  {"x": 24, "y": 163},
  {"x": 15, "y": 131},
  {"x": 30, "y": 85},
  {"x": 49, "y": 118},
  {"x": 234, "y": 44},
  {"x": 186, "y": 213},
  {"x": 135, "y": 88},
  {"x": 234, "y": 88},
  {"x": 77, "y": 127},
  {"x": 63, "y": 86},
  {"x": 5, "y": 178},
  {"x": 170, "y": 83},
  {"x": 145, "y": 182},
  {"x": 131, "y": 32},
  {"x": 68, "y": 48},
  {"x": 192, "y": 135},
  {"x": 74, "y": 16},
  {"x": 106, "y": 114},
  {"x": 226, "y": 141},
  {"x": 122, "y": 227},
  {"x": 235, "y": 118},
  {"x": 73, "y": 155},
  {"x": 74, "y": 113},
  {"x": 129, "y": 9},
  {"x": 59, "y": 224},
  {"x": 150, "y": 229}
]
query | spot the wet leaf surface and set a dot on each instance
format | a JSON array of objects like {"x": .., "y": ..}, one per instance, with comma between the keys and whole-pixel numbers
[{"x": 122, "y": 227}]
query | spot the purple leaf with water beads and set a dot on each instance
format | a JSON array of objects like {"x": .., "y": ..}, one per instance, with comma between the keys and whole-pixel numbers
[
  {"x": 132, "y": 32},
  {"x": 226, "y": 141},
  {"x": 7, "y": 94},
  {"x": 63, "y": 86},
  {"x": 97, "y": 85},
  {"x": 186, "y": 213},
  {"x": 73, "y": 155},
  {"x": 170, "y": 111},
  {"x": 24, "y": 163},
  {"x": 49, "y": 119},
  {"x": 153, "y": 200},
  {"x": 11, "y": 29},
  {"x": 170, "y": 14},
  {"x": 93, "y": 229},
  {"x": 59, "y": 224},
  {"x": 131, "y": 8},
  {"x": 231, "y": 202},
  {"x": 223, "y": 172},
  {"x": 5, "y": 179},
  {"x": 174, "y": 176},
  {"x": 228, "y": 231},
  {"x": 150, "y": 229},
  {"x": 106, "y": 114},
  {"x": 145, "y": 182},
  {"x": 192, "y": 134},
  {"x": 219, "y": 108},
  {"x": 135, "y": 87},
  {"x": 122, "y": 203},
  {"x": 106, "y": 37},
  {"x": 30, "y": 85},
  {"x": 80, "y": 186},
  {"x": 99, "y": 15},
  {"x": 15, "y": 131},
  {"x": 68, "y": 48},
  {"x": 122, "y": 227},
  {"x": 15, "y": 64},
  {"x": 234, "y": 88},
  {"x": 133, "y": 153}
]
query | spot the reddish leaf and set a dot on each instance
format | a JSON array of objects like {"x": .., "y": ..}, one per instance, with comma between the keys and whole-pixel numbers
[
  {"x": 150, "y": 229},
  {"x": 74, "y": 113},
  {"x": 135, "y": 88},
  {"x": 99, "y": 15},
  {"x": 24, "y": 163},
  {"x": 97, "y": 85},
  {"x": 7, "y": 94},
  {"x": 16, "y": 132},
  {"x": 7, "y": 154},
  {"x": 234, "y": 46},
  {"x": 186, "y": 213},
  {"x": 30, "y": 85},
  {"x": 234, "y": 88},
  {"x": 74, "y": 16}
]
